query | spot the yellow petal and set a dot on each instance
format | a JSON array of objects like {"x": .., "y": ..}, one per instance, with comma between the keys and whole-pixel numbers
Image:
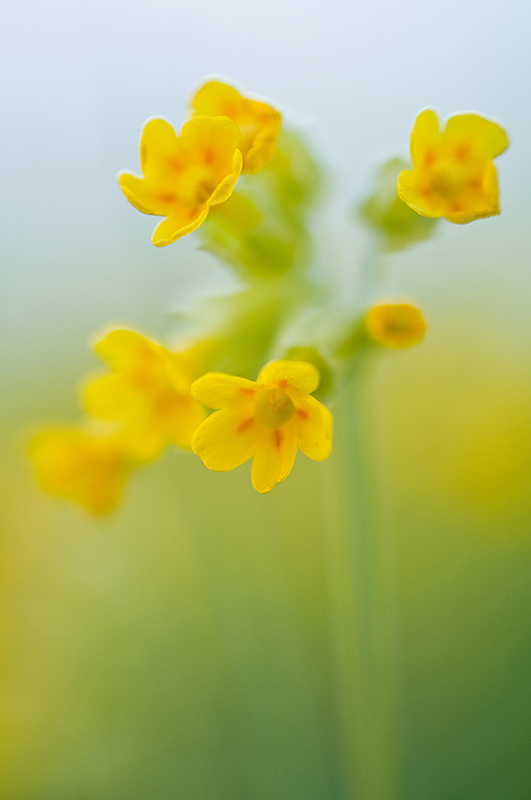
[
  {"x": 139, "y": 195},
  {"x": 477, "y": 202},
  {"x": 169, "y": 418},
  {"x": 312, "y": 426},
  {"x": 425, "y": 137},
  {"x": 182, "y": 222},
  {"x": 157, "y": 196},
  {"x": 146, "y": 435},
  {"x": 112, "y": 398},
  {"x": 219, "y": 390},
  {"x": 225, "y": 440},
  {"x": 485, "y": 138},
  {"x": 410, "y": 189},
  {"x": 88, "y": 469},
  {"x": 289, "y": 448},
  {"x": 212, "y": 141},
  {"x": 259, "y": 122},
  {"x": 274, "y": 458},
  {"x": 144, "y": 438},
  {"x": 267, "y": 121},
  {"x": 121, "y": 348},
  {"x": 215, "y": 98},
  {"x": 159, "y": 146},
  {"x": 191, "y": 415},
  {"x": 191, "y": 361},
  {"x": 223, "y": 190},
  {"x": 298, "y": 376},
  {"x": 490, "y": 187}
]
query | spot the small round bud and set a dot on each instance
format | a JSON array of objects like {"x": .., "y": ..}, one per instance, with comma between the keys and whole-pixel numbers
[{"x": 395, "y": 324}]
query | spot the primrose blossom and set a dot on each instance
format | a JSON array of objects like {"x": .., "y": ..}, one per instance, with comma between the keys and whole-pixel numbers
[
  {"x": 453, "y": 175},
  {"x": 259, "y": 123},
  {"x": 147, "y": 391},
  {"x": 88, "y": 467},
  {"x": 183, "y": 176},
  {"x": 267, "y": 420}
]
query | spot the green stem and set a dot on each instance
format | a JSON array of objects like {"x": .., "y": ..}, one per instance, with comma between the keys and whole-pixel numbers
[{"x": 364, "y": 603}]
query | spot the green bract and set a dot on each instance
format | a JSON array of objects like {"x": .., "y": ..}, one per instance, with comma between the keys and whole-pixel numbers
[{"x": 396, "y": 224}]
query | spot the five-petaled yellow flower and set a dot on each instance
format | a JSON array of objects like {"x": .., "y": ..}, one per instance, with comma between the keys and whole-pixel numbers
[
  {"x": 147, "y": 391},
  {"x": 259, "y": 123},
  {"x": 453, "y": 175},
  {"x": 84, "y": 466},
  {"x": 395, "y": 325},
  {"x": 183, "y": 176},
  {"x": 265, "y": 420}
]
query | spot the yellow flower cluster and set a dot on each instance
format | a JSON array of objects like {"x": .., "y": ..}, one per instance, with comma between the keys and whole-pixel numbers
[
  {"x": 151, "y": 396},
  {"x": 147, "y": 391},
  {"x": 150, "y": 399},
  {"x": 184, "y": 176},
  {"x": 144, "y": 404}
]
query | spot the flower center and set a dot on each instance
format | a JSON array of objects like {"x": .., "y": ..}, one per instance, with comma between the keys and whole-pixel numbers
[
  {"x": 273, "y": 407},
  {"x": 447, "y": 182}
]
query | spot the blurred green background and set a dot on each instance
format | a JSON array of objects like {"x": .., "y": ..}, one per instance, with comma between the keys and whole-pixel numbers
[{"x": 184, "y": 647}]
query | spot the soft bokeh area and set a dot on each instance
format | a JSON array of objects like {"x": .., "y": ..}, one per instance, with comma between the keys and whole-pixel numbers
[{"x": 185, "y": 647}]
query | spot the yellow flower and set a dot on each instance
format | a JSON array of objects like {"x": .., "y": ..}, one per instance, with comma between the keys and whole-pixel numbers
[
  {"x": 88, "y": 468},
  {"x": 265, "y": 420},
  {"x": 395, "y": 324},
  {"x": 148, "y": 391},
  {"x": 453, "y": 175},
  {"x": 183, "y": 176},
  {"x": 259, "y": 123}
]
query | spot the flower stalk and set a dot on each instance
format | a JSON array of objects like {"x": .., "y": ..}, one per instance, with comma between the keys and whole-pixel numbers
[{"x": 364, "y": 623}]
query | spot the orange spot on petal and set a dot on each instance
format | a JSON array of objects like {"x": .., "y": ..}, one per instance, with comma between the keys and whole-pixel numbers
[
  {"x": 302, "y": 414},
  {"x": 462, "y": 151},
  {"x": 282, "y": 383},
  {"x": 277, "y": 439},
  {"x": 229, "y": 109},
  {"x": 244, "y": 425}
]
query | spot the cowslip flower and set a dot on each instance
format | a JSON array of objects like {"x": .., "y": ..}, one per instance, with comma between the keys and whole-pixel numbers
[
  {"x": 183, "y": 176},
  {"x": 259, "y": 122},
  {"x": 395, "y": 325},
  {"x": 147, "y": 391},
  {"x": 266, "y": 420},
  {"x": 86, "y": 467},
  {"x": 453, "y": 175}
]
